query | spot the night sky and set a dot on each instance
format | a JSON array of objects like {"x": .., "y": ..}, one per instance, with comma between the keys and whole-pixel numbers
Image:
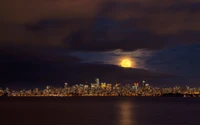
[{"x": 49, "y": 42}]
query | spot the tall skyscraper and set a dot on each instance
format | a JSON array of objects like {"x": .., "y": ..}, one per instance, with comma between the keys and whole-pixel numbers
[
  {"x": 97, "y": 81},
  {"x": 65, "y": 85},
  {"x": 143, "y": 83}
]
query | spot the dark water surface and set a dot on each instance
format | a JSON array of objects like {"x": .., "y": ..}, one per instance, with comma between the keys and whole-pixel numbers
[{"x": 100, "y": 111}]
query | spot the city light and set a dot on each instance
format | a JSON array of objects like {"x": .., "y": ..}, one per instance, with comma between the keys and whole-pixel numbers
[{"x": 105, "y": 89}]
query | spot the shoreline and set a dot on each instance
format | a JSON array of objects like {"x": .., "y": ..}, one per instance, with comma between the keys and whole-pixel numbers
[{"x": 164, "y": 95}]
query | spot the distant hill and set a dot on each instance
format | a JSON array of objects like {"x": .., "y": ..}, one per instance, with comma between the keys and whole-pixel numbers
[
  {"x": 109, "y": 73},
  {"x": 79, "y": 73}
]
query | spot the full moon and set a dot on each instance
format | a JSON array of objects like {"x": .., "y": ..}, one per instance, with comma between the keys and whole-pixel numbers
[{"x": 126, "y": 63}]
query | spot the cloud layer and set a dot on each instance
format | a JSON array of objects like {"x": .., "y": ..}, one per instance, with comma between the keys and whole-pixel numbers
[{"x": 100, "y": 25}]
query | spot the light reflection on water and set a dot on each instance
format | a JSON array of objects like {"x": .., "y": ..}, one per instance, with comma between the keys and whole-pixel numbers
[
  {"x": 126, "y": 116},
  {"x": 100, "y": 111}
]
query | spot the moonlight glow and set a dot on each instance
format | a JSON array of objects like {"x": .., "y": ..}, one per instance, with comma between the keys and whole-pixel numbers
[{"x": 126, "y": 63}]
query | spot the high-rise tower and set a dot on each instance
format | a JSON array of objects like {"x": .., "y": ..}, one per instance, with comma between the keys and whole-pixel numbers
[{"x": 97, "y": 81}]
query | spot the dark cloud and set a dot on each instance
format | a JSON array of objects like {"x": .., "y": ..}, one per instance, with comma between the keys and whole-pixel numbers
[
  {"x": 35, "y": 54},
  {"x": 108, "y": 40},
  {"x": 103, "y": 25},
  {"x": 182, "y": 60},
  {"x": 22, "y": 62}
]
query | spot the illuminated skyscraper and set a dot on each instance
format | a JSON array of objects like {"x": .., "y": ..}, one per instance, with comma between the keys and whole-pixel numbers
[
  {"x": 97, "y": 81},
  {"x": 143, "y": 83},
  {"x": 47, "y": 87},
  {"x": 103, "y": 85},
  {"x": 65, "y": 85},
  {"x": 7, "y": 90},
  {"x": 136, "y": 84}
]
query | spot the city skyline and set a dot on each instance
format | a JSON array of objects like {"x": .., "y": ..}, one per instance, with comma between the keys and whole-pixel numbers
[{"x": 99, "y": 88}]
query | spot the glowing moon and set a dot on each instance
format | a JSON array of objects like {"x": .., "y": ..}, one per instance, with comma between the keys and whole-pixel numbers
[{"x": 126, "y": 63}]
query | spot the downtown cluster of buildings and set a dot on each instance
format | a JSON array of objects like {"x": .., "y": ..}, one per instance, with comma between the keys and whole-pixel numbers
[{"x": 104, "y": 89}]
